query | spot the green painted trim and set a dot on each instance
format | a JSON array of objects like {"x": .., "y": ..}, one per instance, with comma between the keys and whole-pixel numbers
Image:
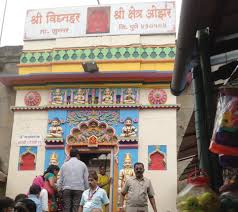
[{"x": 98, "y": 54}]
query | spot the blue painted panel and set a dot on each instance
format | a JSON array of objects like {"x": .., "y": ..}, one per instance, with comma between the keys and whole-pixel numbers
[
  {"x": 61, "y": 115},
  {"x": 133, "y": 114},
  {"x": 123, "y": 152},
  {"x": 60, "y": 153}
]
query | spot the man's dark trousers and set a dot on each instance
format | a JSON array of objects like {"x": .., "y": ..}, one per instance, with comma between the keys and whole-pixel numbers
[{"x": 71, "y": 200}]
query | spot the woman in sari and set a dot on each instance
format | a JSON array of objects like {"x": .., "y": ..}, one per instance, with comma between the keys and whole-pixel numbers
[{"x": 50, "y": 177}]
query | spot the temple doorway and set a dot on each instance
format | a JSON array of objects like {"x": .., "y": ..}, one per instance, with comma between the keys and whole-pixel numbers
[{"x": 95, "y": 159}]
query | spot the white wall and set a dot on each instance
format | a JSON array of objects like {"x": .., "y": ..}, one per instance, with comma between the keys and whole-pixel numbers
[
  {"x": 158, "y": 127},
  {"x": 110, "y": 41},
  {"x": 25, "y": 122}
]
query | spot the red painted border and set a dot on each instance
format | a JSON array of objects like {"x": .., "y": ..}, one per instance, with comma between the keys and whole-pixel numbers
[{"x": 83, "y": 77}]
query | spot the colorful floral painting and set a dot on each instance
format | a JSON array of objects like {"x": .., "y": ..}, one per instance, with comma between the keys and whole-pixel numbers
[{"x": 157, "y": 157}]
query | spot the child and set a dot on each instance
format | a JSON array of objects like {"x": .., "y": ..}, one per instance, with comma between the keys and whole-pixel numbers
[
  {"x": 34, "y": 195},
  {"x": 94, "y": 197}
]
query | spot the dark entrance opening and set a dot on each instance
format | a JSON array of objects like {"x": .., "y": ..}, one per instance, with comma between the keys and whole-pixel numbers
[{"x": 95, "y": 160}]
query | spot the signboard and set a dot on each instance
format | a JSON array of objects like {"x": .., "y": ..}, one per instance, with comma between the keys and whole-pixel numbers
[
  {"x": 118, "y": 19},
  {"x": 29, "y": 140}
]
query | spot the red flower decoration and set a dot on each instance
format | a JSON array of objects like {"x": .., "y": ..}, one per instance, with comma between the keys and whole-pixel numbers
[
  {"x": 32, "y": 98},
  {"x": 157, "y": 96}
]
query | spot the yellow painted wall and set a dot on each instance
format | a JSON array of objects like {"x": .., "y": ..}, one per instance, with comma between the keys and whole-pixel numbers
[{"x": 109, "y": 66}]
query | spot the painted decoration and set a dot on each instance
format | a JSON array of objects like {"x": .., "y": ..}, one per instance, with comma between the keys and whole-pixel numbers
[
  {"x": 129, "y": 127},
  {"x": 127, "y": 158},
  {"x": 92, "y": 132},
  {"x": 55, "y": 132},
  {"x": 95, "y": 131},
  {"x": 127, "y": 171},
  {"x": 98, "y": 20},
  {"x": 79, "y": 96},
  {"x": 117, "y": 19},
  {"x": 128, "y": 130},
  {"x": 129, "y": 96},
  {"x": 27, "y": 158},
  {"x": 157, "y": 156},
  {"x": 57, "y": 97},
  {"x": 107, "y": 97},
  {"x": 29, "y": 140},
  {"x": 32, "y": 98},
  {"x": 54, "y": 156},
  {"x": 76, "y": 117},
  {"x": 157, "y": 96},
  {"x": 54, "y": 159},
  {"x": 94, "y": 96}
]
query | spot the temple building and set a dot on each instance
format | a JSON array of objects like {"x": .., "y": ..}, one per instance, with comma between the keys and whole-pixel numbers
[{"x": 97, "y": 79}]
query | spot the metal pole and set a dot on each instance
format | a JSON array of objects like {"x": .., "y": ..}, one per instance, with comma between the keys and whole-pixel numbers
[
  {"x": 98, "y": 2},
  {"x": 209, "y": 112},
  {"x": 199, "y": 107},
  {"x": 3, "y": 19}
]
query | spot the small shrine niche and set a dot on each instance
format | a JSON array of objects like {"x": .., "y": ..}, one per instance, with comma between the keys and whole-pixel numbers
[
  {"x": 129, "y": 132},
  {"x": 55, "y": 133},
  {"x": 80, "y": 96},
  {"x": 108, "y": 96},
  {"x": 130, "y": 96},
  {"x": 58, "y": 96},
  {"x": 157, "y": 158},
  {"x": 27, "y": 158}
]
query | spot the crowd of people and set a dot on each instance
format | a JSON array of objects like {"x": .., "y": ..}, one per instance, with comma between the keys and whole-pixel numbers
[{"x": 80, "y": 190}]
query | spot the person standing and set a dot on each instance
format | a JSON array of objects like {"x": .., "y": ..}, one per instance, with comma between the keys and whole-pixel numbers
[
  {"x": 39, "y": 180},
  {"x": 104, "y": 180},
  {"x": 73, "y": 181},
  {"x": 50, "y": 176},
  {"x": 138, "y": 189},
  {"x": 94, "y": 198}
]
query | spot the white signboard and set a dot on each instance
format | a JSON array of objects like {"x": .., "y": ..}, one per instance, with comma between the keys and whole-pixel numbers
[
  {"x": 29, "y": 140},
  {"x": 143, "y": 18}
]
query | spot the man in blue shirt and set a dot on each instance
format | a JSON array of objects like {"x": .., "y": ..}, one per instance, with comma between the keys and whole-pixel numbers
[{"x": 95, "y": 197}]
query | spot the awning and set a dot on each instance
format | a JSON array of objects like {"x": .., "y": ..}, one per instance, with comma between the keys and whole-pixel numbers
[{"x": 220, "y": 16}]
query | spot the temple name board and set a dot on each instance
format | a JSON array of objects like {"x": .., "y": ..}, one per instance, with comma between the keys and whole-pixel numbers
[
  {"x": 29, "y": 140},
  {"x": 118, "y": 19}
]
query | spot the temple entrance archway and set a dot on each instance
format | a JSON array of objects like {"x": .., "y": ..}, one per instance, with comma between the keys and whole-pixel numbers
[{"x": 98, "y": 145}]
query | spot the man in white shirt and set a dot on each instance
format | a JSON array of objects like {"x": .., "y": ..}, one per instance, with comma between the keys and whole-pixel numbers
[{"x": 73, "y": 181}]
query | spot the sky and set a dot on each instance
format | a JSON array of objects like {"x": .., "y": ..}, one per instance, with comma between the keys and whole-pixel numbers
[{"x": 13, "y": 26}]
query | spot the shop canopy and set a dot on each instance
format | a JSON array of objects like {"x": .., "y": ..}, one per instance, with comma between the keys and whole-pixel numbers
[{"x": 220, "y": 17}]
